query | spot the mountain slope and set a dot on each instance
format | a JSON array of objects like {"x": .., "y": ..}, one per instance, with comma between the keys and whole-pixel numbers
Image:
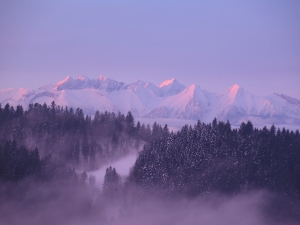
[
  {"x": 190, "y": 103},
  {"x": 170, "y": 99},
  {"x": 170, "y": 87}
]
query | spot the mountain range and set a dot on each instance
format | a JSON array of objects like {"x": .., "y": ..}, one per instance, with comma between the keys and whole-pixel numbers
[{"x": 170, "y": 99}]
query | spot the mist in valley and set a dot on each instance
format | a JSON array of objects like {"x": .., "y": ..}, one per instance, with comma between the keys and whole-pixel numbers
[
  {"x": 122, "y": 165},
  {"x": 150, "y": 112},
  {"x": 58, "y": 166},
  {"x": 72, "y": 205}
]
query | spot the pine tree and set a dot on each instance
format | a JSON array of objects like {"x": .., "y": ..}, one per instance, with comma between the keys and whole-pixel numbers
[
  {"x": 93, "y": 164},
  {"x": 111, "y": 184},
  {"x": 85, "y": 147},
  {"x": 77, "y": 152}
]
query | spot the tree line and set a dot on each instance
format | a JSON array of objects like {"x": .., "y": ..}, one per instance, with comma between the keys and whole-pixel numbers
[
  {"x": 75, "y": 138},
  {"x": 48, "y": 143},
  {"x": 214, "y": 158}
]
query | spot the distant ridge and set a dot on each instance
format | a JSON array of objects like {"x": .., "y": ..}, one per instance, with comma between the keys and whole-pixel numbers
[{"x": 169, "y": 99}]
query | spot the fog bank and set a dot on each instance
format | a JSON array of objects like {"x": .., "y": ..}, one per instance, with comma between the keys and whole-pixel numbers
[
  {"x": 122, "y": 166},
  {"x": 245, "y": 209}
]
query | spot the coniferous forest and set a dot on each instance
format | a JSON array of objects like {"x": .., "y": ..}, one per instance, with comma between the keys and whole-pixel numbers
[{"x": 46, "y": 153}]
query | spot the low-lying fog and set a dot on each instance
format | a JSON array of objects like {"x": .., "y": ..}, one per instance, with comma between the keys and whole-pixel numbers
[
  {"x": 122, "y": 166},
  {"x": 245, "y": 209},
  {"x": 70, "y": 206}
]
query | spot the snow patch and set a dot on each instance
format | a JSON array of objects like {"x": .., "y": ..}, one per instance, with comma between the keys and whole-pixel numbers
[{"x": 166, "y": 83}]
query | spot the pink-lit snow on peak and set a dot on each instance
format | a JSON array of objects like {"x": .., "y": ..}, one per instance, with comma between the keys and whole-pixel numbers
[
  {"x": 235, "y": 92},
  {"x": 166, "y": 83},
  {"x": 169, "y": 100},
  {"x": 192, "y": 89},
  {"x": 234, "y": 88},
  {"x": 82, "y": 78},
  {"x": 102, "y": 78},
  {"x": 61, "y": 82}
]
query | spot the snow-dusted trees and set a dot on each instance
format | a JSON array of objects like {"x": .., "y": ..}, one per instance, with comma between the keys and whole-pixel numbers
[
  {"x": 214, "y": 157},
  {"x": 70, "y": 134}
]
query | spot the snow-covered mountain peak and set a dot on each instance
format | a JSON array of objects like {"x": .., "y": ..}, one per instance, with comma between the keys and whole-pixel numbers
[
  {"x": 142, "y": 86},
  {"x": 106, "y": 84},
  {"x": 82, "y": 78},
  {"x": 138, "y": 84},
  {"x": 62, "y": 82},
  {"x": 102, "y": 78},
  {"x": 170, "y": 87},
  {"x": 167, "y": 82},
  {"x": 171, "y": 82},
  {"x": 146, "y": 85},
  {"x": 69, "y": 83},
  {"x": 191, "y": 89},
  {"x": 237, "y": 101},
  {"x": 194, "y": 91},
  {"x": 170, "y": 99},
  {"x": 68, "y": 78},
  {"x": 236, "y": 91},
  {"x": 83, "y": 82}
]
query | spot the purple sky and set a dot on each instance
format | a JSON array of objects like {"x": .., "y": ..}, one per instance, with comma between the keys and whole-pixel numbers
[{"x": 214, "y": 44}]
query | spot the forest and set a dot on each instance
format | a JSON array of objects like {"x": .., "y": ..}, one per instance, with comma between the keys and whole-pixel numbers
[{"x": 46, "y": 153}]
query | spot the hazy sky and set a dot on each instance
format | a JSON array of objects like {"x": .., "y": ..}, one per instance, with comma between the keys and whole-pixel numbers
[{"x": 213, "y": 43}]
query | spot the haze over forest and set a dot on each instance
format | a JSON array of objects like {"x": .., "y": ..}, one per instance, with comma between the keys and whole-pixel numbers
[
  {"x": 150, "y": 112},
  {"x": 51, "y": 158}
]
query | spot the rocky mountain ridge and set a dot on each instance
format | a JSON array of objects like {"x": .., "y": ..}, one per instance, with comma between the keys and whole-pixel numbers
[{"x": 170, "y": 99}]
